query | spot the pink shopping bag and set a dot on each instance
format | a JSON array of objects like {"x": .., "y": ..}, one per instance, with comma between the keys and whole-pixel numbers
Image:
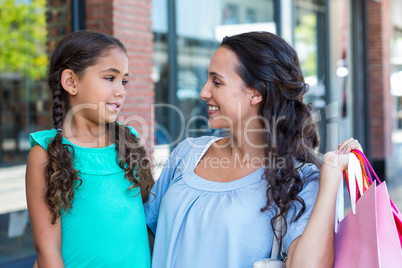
[
  {"x": 395, "y": 211},
  {"x": 369, "y": 238}
]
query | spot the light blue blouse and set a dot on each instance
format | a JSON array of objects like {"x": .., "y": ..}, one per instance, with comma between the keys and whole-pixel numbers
[{"x": 202, "y": 223}]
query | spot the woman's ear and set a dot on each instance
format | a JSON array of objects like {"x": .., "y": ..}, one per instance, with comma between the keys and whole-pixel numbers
[
  {"x": 68, "y": 81},
  {"x": 255, "y": 98}
]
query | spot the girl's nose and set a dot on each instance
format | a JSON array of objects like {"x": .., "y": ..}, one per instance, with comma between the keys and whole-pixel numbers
[{"x": 120, "y": 92}]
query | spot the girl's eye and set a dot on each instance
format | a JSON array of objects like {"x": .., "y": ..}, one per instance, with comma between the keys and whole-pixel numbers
[
  {"x": 216, "y": 83},
  {"x": 124, "y": 82},
  {"x": 110, "y": 78}
]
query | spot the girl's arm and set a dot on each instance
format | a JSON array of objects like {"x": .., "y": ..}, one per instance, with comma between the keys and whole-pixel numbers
[
  {"x": 315, "y": 247},
  {"x": 47, "y": 236}
]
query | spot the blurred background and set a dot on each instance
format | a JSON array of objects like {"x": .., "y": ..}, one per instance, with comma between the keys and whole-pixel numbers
[{"x": 350, "y": 53}]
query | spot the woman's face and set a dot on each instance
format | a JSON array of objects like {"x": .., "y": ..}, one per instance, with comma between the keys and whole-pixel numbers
[{"x": 230, "y": 104}]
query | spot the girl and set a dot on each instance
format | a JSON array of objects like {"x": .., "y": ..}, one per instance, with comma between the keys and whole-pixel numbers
[
  {"x": 87, "y": 177},
  {"x": 218, "y": 198}
]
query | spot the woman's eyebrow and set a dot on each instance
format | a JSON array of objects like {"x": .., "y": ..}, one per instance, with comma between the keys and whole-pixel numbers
[{"x": 216, "y": 74}]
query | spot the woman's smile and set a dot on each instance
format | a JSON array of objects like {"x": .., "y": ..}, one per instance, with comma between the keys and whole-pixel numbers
[{"x": 212, "y": 109}]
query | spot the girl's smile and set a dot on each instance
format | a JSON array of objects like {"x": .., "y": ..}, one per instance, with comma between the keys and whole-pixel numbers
[{"x": 114, "y": 106}]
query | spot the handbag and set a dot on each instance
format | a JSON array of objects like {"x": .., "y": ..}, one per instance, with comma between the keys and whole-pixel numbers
[
  {"x": 274, "y": 261},
  {"x": 278, "y": 250},
  {"x": 368, "y": 235}
]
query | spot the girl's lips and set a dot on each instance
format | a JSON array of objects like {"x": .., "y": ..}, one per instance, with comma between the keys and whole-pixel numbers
[{"x": 114, "y": 107}]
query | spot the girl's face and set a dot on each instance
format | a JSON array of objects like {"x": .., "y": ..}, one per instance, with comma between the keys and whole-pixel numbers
[
  {"x": 100, "y": 89},
  {"x": 230, "y": 103}
]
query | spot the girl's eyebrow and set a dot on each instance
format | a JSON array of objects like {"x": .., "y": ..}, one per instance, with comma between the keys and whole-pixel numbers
[{"x": 114, "y": 70}]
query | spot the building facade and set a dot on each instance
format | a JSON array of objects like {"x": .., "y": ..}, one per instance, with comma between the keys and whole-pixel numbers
[{"x": 349, "y": 52}]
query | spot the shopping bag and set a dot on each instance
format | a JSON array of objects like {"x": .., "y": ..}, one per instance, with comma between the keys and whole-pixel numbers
[
  {"x": 369, "y": 238},
  {"x": 368, "y": 235},
  {"x": 366, "y": 168}
]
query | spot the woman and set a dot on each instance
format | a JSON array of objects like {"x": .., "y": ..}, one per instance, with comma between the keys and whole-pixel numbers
[{"x": 217, "y": 200}]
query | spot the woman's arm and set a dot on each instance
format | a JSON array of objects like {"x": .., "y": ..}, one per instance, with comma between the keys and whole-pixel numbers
[
  {"x": 315, "y": 247},
  {"x": 47, "y": 236}
]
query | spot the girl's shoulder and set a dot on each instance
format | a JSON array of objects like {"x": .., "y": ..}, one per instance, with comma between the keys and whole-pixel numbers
[
  {"x": 132, "y": 130},
  {"x": 42, "y": 138}
]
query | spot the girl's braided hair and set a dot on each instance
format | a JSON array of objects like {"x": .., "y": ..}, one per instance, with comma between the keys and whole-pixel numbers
[{"x": 77, "y": 51}]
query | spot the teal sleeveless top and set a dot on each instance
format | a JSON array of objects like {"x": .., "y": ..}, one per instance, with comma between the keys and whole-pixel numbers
[{"x": 106, "y": 225}]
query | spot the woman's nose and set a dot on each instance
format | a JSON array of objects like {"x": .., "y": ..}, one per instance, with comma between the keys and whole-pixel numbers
[{"x": 205, "y": 92}]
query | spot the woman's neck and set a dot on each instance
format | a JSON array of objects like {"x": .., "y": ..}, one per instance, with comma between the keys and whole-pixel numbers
[{"x": 247, "y": 142}]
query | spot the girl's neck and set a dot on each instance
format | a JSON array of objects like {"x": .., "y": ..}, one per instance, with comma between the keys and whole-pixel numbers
[{"x": 85, "y": 133}]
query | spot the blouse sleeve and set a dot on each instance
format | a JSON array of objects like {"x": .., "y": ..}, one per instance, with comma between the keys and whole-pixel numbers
[
  {"x": 42, "y": 138},
  {"x": 132, "y": 130},
  {"x": 171, "y": 171},
  {"x": 309, "y": 195}
]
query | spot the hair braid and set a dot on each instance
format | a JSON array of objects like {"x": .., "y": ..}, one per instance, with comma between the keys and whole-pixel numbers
[
  {"x": 133, "y": 158},
  {"x": 61, "y": 176}
]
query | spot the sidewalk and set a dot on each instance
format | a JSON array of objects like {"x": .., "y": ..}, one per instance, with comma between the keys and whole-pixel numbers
[{"x": 12, "y": 189}]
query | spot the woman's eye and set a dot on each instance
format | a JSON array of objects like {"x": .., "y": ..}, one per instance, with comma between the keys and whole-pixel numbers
[
  {"x": 216, "y": 83},
  {"x": 124, "y": 82},
  {"x": 110, "y": 78}
]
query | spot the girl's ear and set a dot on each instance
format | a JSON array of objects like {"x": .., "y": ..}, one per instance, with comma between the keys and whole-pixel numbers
[
  {"x": 255, "y": 98},
  {"x": 68, "y": 81}
]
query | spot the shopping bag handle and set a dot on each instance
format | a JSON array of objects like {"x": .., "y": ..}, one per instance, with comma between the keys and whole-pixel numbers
[
  {"x": 368, "y": 165},
  {"x": 357, "y": 182}
]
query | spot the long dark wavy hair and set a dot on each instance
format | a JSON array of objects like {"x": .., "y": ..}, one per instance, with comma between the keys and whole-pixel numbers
[
  {"x": 270, "y": 65},
  {"x": 77, "y": 51}
]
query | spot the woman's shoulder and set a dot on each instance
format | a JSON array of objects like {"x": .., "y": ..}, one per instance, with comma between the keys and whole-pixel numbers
[
  {"x": 42, "y": 138},
  {"x": 189, "y": 150},
  {"x": 305, "y": 167},
  {"x": 194, "y": 144}
]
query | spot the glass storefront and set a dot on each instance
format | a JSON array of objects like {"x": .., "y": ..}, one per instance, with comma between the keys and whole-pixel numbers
[
  {"x": 30, "y": 29},
  {"x": 186, "y": 33},
  {"x": 310, "y": 44},
  {"x": 199, "y": 30},
  {"x": 396, "y": 63},
  {"x": 341, "y": 74},
  {"x": 396, "y": 90},
  {"x": 23, "y": 65},
  {"x": 185, "y": 41}
]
